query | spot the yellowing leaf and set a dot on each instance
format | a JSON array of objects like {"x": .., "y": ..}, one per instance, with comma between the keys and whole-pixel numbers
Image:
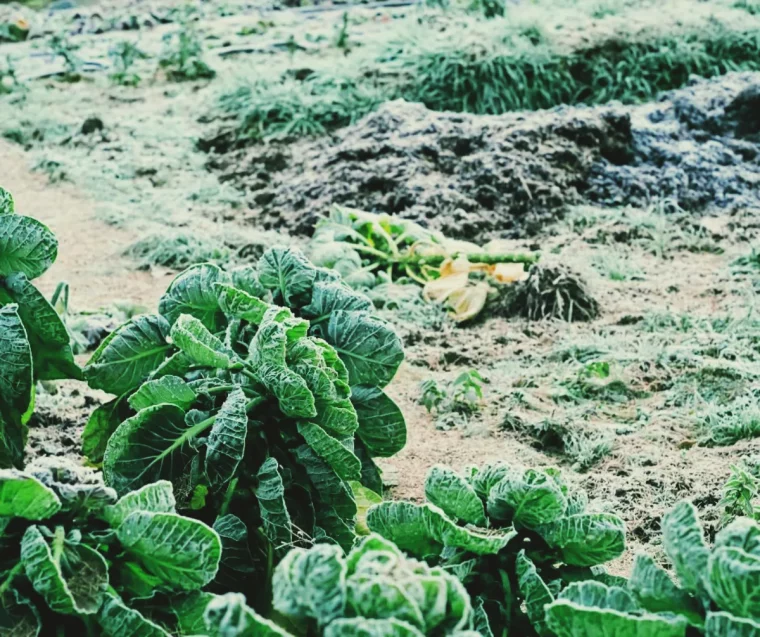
[
  {"x": 466, "y": 303},
  {"x": 508, "y": 272}
]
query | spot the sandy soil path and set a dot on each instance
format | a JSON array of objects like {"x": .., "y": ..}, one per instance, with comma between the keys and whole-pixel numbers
[{"x": 90, "y": 251}]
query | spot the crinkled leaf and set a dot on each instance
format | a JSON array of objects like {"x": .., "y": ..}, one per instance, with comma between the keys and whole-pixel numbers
[
  {"x": 534, "y": 591},
  {"x": 48, "y": 337},
  {"x": 527, "y": 499},
  {"x": 193, "y": 292},
  {"x": 424, "y": 530},
  {"x": 726, "y": 625},
  {"x": 386, "y": 598},
  {"x": 237, "y": 303},
  {"x": 335, "y": 454},
  {"x": 100, "y": 426},
  {"x": 685, "y": 546},
  {"x": 23, "y": 496},
  {"x": 311, "y": 584},
  {"x": 178, "y": 364},
  {"x": 370, "y": 349},
  {"x": 16, "y": 386},
  {"x": 656, "y": 592},
  {"x": 734, "y": 581},
  {"x": 361, "y": 627},
  {"x": 153, "y": 445},
  {"x": 237, "y": 563},
  {"x": 246, "y": 278},
  {"x": 288, "y": 273},
  {"x": 597, "y": 595},
  {"x": 73, "y": 584},
  {"x": 182, "y": 552},
  {"x": 229, "y": 616},
  {"x": 270, "y": 493},
  {"x": 171, "y": 390},
  {"x": 586, "y": 539},
  {"x": 26, "y": 245},
  {"x": 742, "y": 533},
  {"x": 118, "y": 620},
  {"x": 7, "y": 206},
  {"x": 365, "y": 499},
  {"x": 226, "y": 442},
  {"x": 445, "y": 488},
  {"x": 128, "y": 356},
  {"x": 157, "y": 498},
  {"x": 327, "y": 297},
  {"x": 199, "y": 345},
  {"x": 382, "y": 427},
  {"x": 487, "y": 477}
]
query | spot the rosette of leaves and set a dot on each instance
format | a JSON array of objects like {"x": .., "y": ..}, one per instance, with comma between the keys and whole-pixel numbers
[
  {"x": 34, "y": 342},
  {"x": 717, "y": 591},
  {"x": 516, "y": 538},
  {"x": 374, "y": 590},
  {"x": 258, "y": 393},
  {"x": 78, "y": 560}
]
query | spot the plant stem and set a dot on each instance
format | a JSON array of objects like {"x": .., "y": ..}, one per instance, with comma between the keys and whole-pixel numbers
[
  {"x": 228, "y": 497},
  {"x": 16, "y": 570},
  {"x": 58, "y": 540},
  {"x": 479, "y": 257}
]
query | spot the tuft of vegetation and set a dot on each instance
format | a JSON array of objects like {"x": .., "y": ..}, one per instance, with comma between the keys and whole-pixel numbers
[
  {"x": 182, "y": 59},
  {"x": 123, "y": 57},
  {"x": 516, "y": 538},
  {"x": 727, "y": 424},
  {"x": 462, "y": 395},
  {"x": 63, "y": 48},
  {"x": 177, "y": 250},
  {"x": 739, "y": 496}
]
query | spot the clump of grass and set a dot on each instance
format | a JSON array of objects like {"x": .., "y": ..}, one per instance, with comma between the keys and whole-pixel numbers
[
  {"x": 551, "y": 291},
  {"x": 728, "y": 424},
  {"x": 123, "y": 56},
  {"x": 176, "y": 250},
  {"x": 292, "y": 108},
  {"x": 616, "y": 267},
  {"x": 182, "y": 59},
  {"x": 593, "y": 382},
  {"x": 713, "y": 384}
]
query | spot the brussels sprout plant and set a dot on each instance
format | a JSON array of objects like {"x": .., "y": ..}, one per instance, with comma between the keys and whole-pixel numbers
[
  {"x": 258, "y": 394},
  {"x": 515, "y": 538}
]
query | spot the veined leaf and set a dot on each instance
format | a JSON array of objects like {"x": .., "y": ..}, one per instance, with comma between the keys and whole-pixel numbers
[
  {"x": 167, "y": 389},
  {"x": 16, "y": 386},
  {"x": 734, "y": 581},
  {"x": 100, "y": 426},
  {"x": 246, "y": 278},
  {"x": 327, "y": 297},
  {"x": 597, "y": 595},
  {"x": 26, "y": 245},
  {"x": 311, "y": 584},
  {"x": 193, "y": 292},
  {"x": 157, "y": 498},
  {"x": 48, "y": 337},
  {"x": 117, "y": 620},
  {"x": 726, "y": 625},
  {"x": 199, "y": 345},
  {"x": 527, "y": 499},
  {"x": 340, "y": 459},
  {"x": 361, "y": 627},
  {"x": 685, "y": 546},
  {"x": 7, "y": 206},
  {"x": 237, "y": 561},
  {"x": 18, "y": 616},
  {"x": 288, "y": 273},
  {"x": 178, "y": 364},
  {"x": 270, "y": 493},
  {"x": 534, "y": 591},
  {"x": 23, "y": 496},
  {"x": 656, "y": 592},
  {"x": 128, "y": 356},
  {"x": 382, "y": 427},
  {"x": 365, "y": 499},
  {"x": 226, "y": 442},
  {"x": 229, "y": 616},
  {"x": 151, "y": 446},
  {"x": 448, "y": 490},
  {"x": 371, "y": 350},
  {"x": 183, "y": 553},
  {"x": 742, "y": 533},
  {"x": 586, "y": 539},
  {"x": 424, "y": 530},
  {"x": 240, "y": 304},
  {"x": 487, "y": 477},
  {"x": 72, "y": 580}
]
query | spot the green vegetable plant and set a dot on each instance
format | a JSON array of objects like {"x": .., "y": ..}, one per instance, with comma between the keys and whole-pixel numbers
[
  {"x": 715, "y": 593},
  {"x": 462, "y": 395},
  {"x": 77, "y": 560},
  {"x": 34, "y": 343},
  {"x": 257, "y": 392},
  {"x": 515, "y": 538},
  {"x": 123, "y": 56},
  {"x": 182, "y": 59}
]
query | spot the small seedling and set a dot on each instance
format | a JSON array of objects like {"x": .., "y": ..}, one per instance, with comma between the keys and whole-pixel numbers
[
  {"x": 124, "y": 55},
  {"x": 739, "y": 496},
  {"x": 342, "y": 38},
  {"x": 63, "y": 48},
  {"x": 183, "y": 56},
  {"x": 462, "y": 395}
]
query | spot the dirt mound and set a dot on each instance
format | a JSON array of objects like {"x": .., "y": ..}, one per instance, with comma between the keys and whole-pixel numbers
[{"x": 479, "y": 177}]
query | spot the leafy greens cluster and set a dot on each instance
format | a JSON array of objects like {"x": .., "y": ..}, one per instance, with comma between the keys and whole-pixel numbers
[
  {"x": 258, "y": 394},
  {"x": 34, "y": 343},
  {"x": 77, "y": 560},
  {"x": 717, "y": 593},
  {"x": 515, "y": 538}
]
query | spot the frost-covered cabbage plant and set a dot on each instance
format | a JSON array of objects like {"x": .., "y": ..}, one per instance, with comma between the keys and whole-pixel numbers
[
  {"x": 515, "y": 538},
  {"x": 76, "y": 560},
  {"x": 717, "y": 594},
  {"x": 258, "y": 394},
  {"x": 375, "y": 590},
  {"x": 34, "y": 342}
]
